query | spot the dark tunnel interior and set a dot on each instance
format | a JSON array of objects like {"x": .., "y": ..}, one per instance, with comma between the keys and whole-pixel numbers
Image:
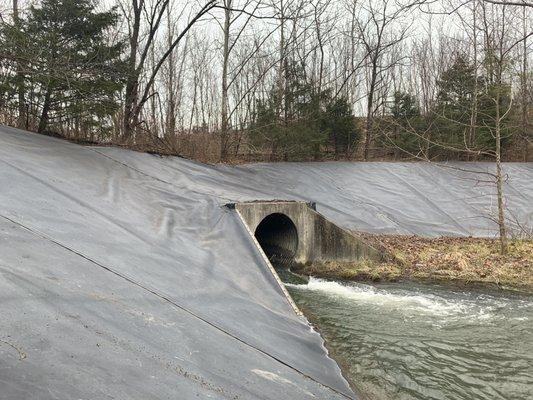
[{"x": 278, "y": 237}]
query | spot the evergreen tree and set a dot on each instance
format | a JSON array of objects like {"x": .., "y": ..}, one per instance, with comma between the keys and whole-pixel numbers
[
  {"x": 340, "y": 126},
  {"x": 456, "y": 88},
  {"x": 300, "y": 122},
  {"x": 403, "y": 125},
  {"x": 455, "y": 103},
  {"x": 289, "y": 123},
  {"x": 404, "y": 107},
  {"x": 74, "y": 73}
]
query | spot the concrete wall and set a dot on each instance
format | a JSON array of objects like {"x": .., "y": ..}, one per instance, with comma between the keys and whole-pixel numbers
[{"x": 318, "y": 238}]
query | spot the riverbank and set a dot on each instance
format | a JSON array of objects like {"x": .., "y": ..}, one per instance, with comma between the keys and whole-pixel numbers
[{"x": 462, "y": 261}]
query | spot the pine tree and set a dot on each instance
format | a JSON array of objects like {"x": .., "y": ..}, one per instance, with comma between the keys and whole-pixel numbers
[
  {"x": 74, "y": 73},
  {"x": 453, "y": 111},
  {"x": 404, "y": 118},
  {"x": 289, "y": 123},
  {"x": 340, "y": 125}
]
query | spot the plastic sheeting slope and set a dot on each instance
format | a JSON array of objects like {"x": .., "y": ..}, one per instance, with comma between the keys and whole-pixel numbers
[
  {"x": 122, "y": 274},
  {"x": 115, "y": 284},
  {"x": 453, "y": 199}
]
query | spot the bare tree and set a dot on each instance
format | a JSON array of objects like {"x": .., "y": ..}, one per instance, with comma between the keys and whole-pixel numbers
[
  {"x": 378, "y": 34},
  {"x": 524, "y": 88},
  {"x": 135, "y": 97},
  {"x": 519, "y": 3},
  {"x": 495, "y": 24},
  {"x": 21, "y": 122},
  {"x": 182, "y": 83},
  {"x": 225, "y": 61},
  {"x": 230, "y": 39}
]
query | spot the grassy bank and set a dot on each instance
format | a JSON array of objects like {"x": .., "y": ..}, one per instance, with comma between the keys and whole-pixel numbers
[{"x": 465, "y": 261}]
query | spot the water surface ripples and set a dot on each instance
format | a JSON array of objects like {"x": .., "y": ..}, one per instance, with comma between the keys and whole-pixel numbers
[{"x": 404, "y": 341}]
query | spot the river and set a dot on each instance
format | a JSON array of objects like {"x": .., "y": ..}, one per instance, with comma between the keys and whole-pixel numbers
[{"x": 407, "y": 341}]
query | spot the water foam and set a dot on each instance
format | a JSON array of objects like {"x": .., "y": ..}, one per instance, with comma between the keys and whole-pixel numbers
[{"x": 415, "y": 301}]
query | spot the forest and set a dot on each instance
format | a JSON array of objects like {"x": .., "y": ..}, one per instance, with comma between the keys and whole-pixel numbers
[{"x": 274, "y": 80}]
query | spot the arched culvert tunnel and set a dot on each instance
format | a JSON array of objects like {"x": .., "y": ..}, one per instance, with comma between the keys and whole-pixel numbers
[{"x": 278, "y": 237}]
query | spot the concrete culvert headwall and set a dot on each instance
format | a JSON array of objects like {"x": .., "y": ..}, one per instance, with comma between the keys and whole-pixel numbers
[
  {"x": 293, "y": 231},
  {"x": 278, "y": 237}
]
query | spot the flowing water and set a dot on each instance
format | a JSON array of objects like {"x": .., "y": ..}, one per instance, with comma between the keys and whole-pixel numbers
[{"x": 404, "y": 341}]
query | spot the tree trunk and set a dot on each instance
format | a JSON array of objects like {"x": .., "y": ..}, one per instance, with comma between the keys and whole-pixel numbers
[
  {"x": 523, "y": 83},
  {"x": 499, "y": 178},
  {"x": 130, "y": 104},
  {"x": 473, "y": 115},
  {"x": 154, "y": 128},
  {"x": 170, "y": 128},
  {"x": 132, "y": 82},
  {"x": 21, "y": 122},
  {"x": 282, "y": 75},
  {"x": 43, "y": 121},
  {"x": 224, "y": 117},
  {"x": 369, "y": 109}
]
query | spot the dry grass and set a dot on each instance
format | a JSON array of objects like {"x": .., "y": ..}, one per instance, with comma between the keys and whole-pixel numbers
[
  {"x": 364, "y": 270},
  {"x": 456, "y": 260}
]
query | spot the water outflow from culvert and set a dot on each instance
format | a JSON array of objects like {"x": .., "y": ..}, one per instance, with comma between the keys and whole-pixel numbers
[
  {"x": 278, "y": 237},
  {"x": 414, "y": 342}
]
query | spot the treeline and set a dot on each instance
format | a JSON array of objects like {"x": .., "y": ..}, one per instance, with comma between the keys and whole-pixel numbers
[{"x": 243, "y": 80}]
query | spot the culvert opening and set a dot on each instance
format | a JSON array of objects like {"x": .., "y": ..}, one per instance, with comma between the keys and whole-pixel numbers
[{"x": 278, "y": 237}]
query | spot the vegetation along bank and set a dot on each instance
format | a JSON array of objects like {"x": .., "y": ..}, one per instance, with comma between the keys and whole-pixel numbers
[{"x": 463, "y": 261}]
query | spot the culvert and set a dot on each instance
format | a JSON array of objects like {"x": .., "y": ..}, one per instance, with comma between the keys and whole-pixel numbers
[
  {"x": 278, "y": 237},
  {"x": 294, "y": 232}
]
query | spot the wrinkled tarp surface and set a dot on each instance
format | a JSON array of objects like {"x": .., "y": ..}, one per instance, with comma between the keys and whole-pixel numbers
[{"x": 123, "y": 276}]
